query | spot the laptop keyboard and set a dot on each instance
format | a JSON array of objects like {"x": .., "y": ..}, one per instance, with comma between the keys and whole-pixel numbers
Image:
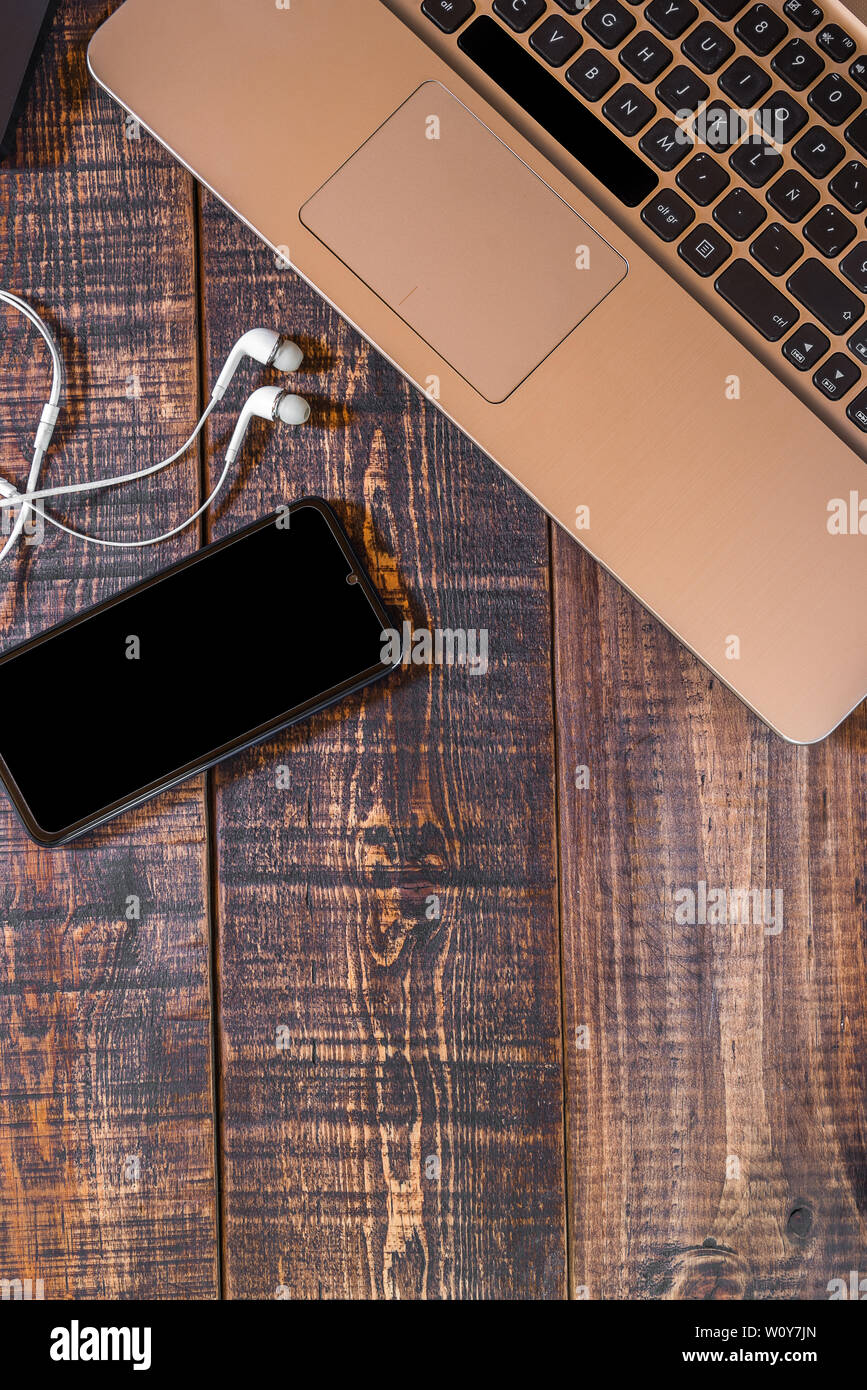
[{"x": 751, "y": 165}]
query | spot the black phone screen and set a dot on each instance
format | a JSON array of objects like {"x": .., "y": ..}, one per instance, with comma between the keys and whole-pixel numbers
[{"x": 243, "y": 638}]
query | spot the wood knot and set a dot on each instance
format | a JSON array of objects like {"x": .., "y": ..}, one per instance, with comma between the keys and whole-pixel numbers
[{"x": 799, "y": 1222}]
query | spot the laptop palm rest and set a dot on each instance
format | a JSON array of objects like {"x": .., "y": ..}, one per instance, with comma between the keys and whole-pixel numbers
[{"x": 463, "y": 241}]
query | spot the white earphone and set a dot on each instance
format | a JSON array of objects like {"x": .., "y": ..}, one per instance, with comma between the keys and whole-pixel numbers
[{"x": 268, "y": 403}]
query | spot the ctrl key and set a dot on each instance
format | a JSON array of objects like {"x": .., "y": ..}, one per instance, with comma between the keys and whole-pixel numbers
[
  {"x": 754, "y": 297},
  {"x": 668, "y": 215}
]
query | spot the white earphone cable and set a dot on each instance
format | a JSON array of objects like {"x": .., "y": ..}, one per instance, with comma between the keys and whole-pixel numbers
[
  {"x": 49, "y": 413},
  {"x": 261, "y": 344},
  {"x": 97, "y": 484},
  {"x": 153, "y": 540}
]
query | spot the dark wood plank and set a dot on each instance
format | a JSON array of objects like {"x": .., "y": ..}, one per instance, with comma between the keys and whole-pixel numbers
[
  {"x": 408, "y": 1043},
  {"x": 104, "y": 1018},
  {"x": 716, "y": 1110}
]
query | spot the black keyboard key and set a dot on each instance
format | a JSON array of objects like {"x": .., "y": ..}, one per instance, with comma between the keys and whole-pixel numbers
[
  {"x": 522, "y": 77},
  {"x": 857, "y": 410},
  {"x": 572, "y": 6},
  {"x": 776, "y": 249},
  {"x": 744, "y": 81},
  {"x": 834, "y": 99},
  {"x": 798, "y": 64},
  {"x": 645, "y": 57},
  {"x": 628, "y": 109},
  {"x": 858, "y": 71},
  {"x": 781, "y": 117},
  {"x": 806, "y": 346},
  {"x": 792, "y": 195},
  {"x": 703, "y": 179},
  {"x": 592, "y": 74},
  {"x": 704, "y": 249},
  {"x": 756, "y": 299},
  {"x": 856, "y": 133},
  {"x": 836, "y": 376},
  {"x": 667, "y": 215},
  {"x": 803, "y": 13},
  {"x": 755, "y": 161},
  {"x": 849, "y": 186},
  {"x": 609, "y": 23},
  {"x": 665, "y": 143},
  {"x": 724, "y": 9},
  {"x": 824, "y": 296},
  {"x": 708, "y": 47},
  {"x": 830, "y": 231},
  {"x": 739, "y": 214},
  {"x": 682, "y": 91},
  {"x": 671, "y": 17},
  {"x": 854, "y": 266},
  {"x": 818, "y": 152},
  {"x": 519, "y": 14},
  {"x": 761, "y": 29},
  {"x": 718, "y": 126},
  {"x": 556, "y": 41},
  {"x": 448, "y": 15},
  {"x": 858, "y": 343},
  {"x": 836, "y": 43}
]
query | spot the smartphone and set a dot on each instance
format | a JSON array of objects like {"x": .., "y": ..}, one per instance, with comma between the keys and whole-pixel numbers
[{"x": 217, "y": 653}]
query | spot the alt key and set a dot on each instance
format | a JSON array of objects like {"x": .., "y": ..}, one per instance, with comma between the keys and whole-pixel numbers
[
  {"x": 668, "y": 215},
  {"x": 448, "y": 15}
]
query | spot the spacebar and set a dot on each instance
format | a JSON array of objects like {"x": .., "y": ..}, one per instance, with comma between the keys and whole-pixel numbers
[{"x": 587, "y": 138}]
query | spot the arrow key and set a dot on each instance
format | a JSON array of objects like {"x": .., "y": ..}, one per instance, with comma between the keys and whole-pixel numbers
[
  {"x": 806, "y": 347},
  {"x": 837, "y": 376},
  {"x": 858, "y": 343}
]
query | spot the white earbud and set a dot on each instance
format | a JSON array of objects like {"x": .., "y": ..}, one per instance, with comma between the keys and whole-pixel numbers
[
  {"x": 268, "y": 403},
  {"x": 265, "y": 346}
]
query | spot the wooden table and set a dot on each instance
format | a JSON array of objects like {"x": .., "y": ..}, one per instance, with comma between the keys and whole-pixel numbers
[{"x": 422, "y": 1022}]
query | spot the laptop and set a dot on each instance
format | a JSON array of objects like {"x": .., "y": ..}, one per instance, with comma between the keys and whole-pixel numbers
[
  {"x": 621, "y": 244},
  {"x": 21, "y": 25}
]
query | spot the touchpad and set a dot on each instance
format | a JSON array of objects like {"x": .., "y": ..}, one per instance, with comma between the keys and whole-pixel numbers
[{"x": 462, "y": 240}]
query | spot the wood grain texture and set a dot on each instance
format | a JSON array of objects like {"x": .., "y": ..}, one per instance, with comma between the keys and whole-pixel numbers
[
  {"x": 391, "y": 1083},
  {"x": 716, "y": 1106},
  {"x": 407, "y": 1139},
  {"x": 104, "y": 1017}
]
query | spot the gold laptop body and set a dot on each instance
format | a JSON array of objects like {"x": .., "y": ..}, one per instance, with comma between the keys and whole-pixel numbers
[{"x": 535, "y": 295}]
